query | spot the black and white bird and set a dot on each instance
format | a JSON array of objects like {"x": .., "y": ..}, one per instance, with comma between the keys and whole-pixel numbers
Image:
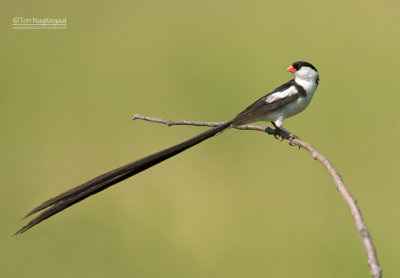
[{"x": 285, "y": 101}]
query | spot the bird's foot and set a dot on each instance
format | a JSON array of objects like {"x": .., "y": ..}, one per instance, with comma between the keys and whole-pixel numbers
[{"x": 282, "y": 133}]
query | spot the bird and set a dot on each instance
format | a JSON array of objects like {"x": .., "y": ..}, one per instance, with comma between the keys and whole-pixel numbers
[{"x": 285, "y": 101}]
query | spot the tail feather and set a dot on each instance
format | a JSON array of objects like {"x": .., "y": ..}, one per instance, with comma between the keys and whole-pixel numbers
[{"x": 81, "y": 192}]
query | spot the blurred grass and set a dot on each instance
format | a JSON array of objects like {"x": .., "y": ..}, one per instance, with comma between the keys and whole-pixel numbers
[{"x": 240, "y": 205}]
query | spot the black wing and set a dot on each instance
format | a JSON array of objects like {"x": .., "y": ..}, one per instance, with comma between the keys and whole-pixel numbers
[{"x": 262, "y": 106}]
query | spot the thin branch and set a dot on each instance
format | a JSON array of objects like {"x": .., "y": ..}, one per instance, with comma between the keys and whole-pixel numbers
[
  {"x": 195, "y": 123},
  {"x": 362, "y": 229}
]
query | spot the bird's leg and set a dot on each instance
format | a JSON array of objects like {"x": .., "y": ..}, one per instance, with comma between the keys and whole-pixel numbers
[
  {"x": 275, "y": 133},
  {"x": 284, "y": 134}
]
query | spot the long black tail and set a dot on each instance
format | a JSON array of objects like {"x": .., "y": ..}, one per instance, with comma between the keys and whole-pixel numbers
[{"x": 81, "y": 192}]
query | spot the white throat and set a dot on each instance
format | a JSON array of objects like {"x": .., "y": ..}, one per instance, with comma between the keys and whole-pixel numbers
[
  {"x": 307, "y": 78},
  {"x": 306, "y": 73}
]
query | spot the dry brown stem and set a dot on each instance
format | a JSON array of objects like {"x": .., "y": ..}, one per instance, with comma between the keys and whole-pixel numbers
[{"x": 362, "y": 230}]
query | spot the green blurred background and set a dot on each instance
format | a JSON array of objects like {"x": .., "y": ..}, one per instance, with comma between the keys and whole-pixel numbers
[{"x": 239, "y": 205}]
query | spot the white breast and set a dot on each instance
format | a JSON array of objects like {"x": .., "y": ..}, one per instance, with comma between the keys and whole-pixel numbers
[{"x": 302, "y": 102}]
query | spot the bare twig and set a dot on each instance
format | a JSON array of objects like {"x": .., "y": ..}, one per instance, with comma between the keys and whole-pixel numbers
[{"x": 362, "y": 230}]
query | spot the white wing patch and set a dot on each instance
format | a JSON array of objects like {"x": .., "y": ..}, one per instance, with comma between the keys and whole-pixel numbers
[{"x": 279, "y": 95}]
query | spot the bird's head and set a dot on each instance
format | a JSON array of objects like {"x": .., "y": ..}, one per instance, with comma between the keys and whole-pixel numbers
[{"x": 304, "y": 71}]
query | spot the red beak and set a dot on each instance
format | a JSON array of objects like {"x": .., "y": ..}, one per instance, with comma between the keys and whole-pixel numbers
[{"x": 291, "y": 69}]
